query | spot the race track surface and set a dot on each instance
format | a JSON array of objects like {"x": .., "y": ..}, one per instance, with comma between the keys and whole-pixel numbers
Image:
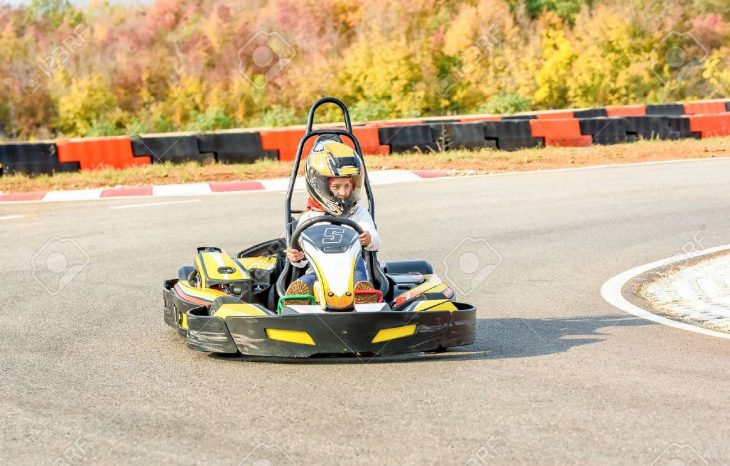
[{"x": 91, "y": 374}]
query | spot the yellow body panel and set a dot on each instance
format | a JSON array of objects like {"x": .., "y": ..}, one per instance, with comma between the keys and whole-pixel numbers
[
  {"x": 215, "y": 260},
  {"x": 438, "y": 288},
  {"x": 388, "y": 334},
  {"x": 433, "y": 284},
  {"x": 435, "y": 305},
  {"x": 290, "y": 336},
  {"x": 202, "y": 293},
  {"x": 235, "y": 310},
  {"x": 335, "y": 301},
  {"x": 261, "y": 262},
  {"x": 183, "y": 320}
]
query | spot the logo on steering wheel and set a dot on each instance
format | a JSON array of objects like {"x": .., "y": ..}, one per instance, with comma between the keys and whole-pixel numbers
[{"x": 333, "y": 235}]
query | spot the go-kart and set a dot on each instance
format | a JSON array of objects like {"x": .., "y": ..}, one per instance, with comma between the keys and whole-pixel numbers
[{"x": 232, "y": 305}]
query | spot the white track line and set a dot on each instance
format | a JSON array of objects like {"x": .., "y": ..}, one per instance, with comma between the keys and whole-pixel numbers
[
  {"x": 76, "y": 195},
  {"x": 193, "y": 189},
  {"x": 11, "y": 217},
  {"x": 381, "y": 177},
  {"x": 150, "y": 204},
  {"x": 611, "y": 292}
]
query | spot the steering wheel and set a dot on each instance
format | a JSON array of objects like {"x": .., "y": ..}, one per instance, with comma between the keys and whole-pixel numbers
[{"x": 294, "y": 243}]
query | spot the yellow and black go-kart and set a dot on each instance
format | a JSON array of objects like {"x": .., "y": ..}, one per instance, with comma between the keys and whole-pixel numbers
[{"x": 225, "y": 304}]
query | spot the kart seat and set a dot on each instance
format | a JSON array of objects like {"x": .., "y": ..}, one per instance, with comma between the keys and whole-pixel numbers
[
  {"x": 380, "y": 281},
  {"x": 183, "y": 273}
]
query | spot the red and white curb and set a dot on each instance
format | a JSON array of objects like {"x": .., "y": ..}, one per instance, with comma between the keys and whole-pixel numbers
[{"x": 381, "y": 177}]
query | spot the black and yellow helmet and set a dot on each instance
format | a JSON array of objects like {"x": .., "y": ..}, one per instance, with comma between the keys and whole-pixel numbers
[{"x": 330, "y": 158}]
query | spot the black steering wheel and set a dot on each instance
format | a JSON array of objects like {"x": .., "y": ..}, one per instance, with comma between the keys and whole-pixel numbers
[{"x": 322, "y": 219}]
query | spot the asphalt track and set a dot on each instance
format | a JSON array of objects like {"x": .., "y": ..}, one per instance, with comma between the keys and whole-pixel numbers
[{"x": 91, "y": 374}]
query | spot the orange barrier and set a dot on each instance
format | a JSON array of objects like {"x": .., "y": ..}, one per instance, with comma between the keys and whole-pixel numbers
[
  {"x": 710, "y": 125},
  {"x": 560, "y": 115},
  {"x": 380, "y": 123},
  {"x": 476, "y": 118},
  {"x": 98, "y": 153},
  {"x": 369, "y": 141},
  {"x": 626, "y": 110},
  {"x": 560, "y": 133},
  {"x": 286, "y": 141},
  {"x": 694, "y": 108}
]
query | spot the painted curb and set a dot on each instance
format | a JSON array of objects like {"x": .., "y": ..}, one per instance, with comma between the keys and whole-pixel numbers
[
  {"x": 611, "y": 291},
  {"x": 381, "y": 177}
]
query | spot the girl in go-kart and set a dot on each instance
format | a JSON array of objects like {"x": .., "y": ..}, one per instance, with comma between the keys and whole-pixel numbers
[{"x": 334, "y": 179}]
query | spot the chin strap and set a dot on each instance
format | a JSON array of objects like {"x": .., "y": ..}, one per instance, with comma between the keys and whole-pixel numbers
[{"x": 312, "y": 204}]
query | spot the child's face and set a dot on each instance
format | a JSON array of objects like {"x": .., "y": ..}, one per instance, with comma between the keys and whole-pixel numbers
[{"x": 341, "y": 187}]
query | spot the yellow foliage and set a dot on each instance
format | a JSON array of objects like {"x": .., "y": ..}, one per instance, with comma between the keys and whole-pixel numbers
[
  {"x": 88, "y": 101},
  {"x": 717, "y": 71},
  {"x": 173, "y": 65},
  {"x": 386, "y": 71},
  {"x": 613, "y": 65},
  {"x": 552, "y": 78}
]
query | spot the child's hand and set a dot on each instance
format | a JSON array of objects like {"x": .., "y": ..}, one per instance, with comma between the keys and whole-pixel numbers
[
  {"x": 365, "y": 239},
  {"x": 294, "y": 255}
]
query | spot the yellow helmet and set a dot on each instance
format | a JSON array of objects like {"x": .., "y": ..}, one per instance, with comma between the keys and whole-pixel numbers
[{"x": 330, "y": 158}]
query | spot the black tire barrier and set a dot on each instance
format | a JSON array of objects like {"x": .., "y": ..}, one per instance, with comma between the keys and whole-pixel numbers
[
  {"x": 408, "y": 138},
  {"x": 511, "y": 134},
  {"x": 175, "y": 149},
  {"x": 442, "y": 133},
  {"x": 682, "y": 126},
  {"x": 32, "y": 159},
  {"x": 665, "y": 110},
  {"x": 607, "y": 130},
  {"x": 659, "y": 127},
  {"x": 441, "y": 121},
  {"x": 590, "y": 113},
  {"x": 520, "y": 117},
  {"x": 238, "y": 147},
  {"x": 470, "y": 136}
]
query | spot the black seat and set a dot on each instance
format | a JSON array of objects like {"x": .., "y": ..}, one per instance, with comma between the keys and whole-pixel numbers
[
  {"x": 184, "y": 272},
  {"x": 380, "y": 281}
]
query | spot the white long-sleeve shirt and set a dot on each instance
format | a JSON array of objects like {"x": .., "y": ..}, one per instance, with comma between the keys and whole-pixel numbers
[{"x": 360, "y": 215}]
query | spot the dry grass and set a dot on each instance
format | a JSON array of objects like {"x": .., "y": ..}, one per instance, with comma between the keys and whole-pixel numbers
[{"x": 456, "y": 162}]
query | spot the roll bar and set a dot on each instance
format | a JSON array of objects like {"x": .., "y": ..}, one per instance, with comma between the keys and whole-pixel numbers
[{"x": 310, "y": 133}]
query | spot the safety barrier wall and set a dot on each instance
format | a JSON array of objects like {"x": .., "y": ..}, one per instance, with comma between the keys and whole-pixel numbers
[{"x": 562, "y": 128}]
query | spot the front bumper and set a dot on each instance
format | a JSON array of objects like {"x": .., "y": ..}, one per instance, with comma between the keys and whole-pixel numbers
[{"x": 304, "y": 335}]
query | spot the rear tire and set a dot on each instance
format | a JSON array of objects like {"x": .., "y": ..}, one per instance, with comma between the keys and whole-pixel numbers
[{"x": 440, "y": 349}]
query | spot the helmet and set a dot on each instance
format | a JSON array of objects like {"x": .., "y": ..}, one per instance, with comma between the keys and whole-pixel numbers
[{"x": 330, "y": 158}]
